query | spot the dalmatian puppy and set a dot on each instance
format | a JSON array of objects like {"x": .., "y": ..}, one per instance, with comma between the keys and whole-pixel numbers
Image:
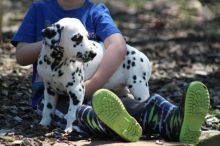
[{"x": 68, "y": 58}]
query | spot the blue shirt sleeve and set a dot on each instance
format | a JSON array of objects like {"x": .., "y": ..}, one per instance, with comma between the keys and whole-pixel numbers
[
  {"x": 103, "y": 22},
  {"x": 26, "y": 31}
]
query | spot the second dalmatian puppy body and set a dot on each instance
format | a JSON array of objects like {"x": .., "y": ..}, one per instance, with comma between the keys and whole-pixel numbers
[{"x": 68, "y": 58}]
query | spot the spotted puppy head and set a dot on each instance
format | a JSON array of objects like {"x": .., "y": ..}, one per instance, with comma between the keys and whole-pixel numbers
[
  {"x": 82, "y": 51},
  {"x": 74, "y": 40},
  {"x": 52, "y": 35}
]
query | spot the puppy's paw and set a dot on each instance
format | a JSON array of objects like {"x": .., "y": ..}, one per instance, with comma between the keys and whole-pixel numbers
[
  {"x": 68, "y": 129},
  {"x": 45, "y": 122}
]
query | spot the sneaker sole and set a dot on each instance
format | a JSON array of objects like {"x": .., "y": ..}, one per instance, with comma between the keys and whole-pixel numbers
[
  {"x": 196, "y": 106},
  {"x": 112, "y": 112}
]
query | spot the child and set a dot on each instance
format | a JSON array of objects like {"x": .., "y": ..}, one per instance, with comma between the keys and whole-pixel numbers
[{"x": 99, "y": 24}]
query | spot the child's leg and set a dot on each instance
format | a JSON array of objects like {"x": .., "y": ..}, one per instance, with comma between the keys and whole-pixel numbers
[
  {"x": 181, "y": 123},
  {"x": 88, "y": 121},
  {"x": 112, "y": 112},
  {"x": 178, "y": 123},
  {"x": 157, "y": 114}
]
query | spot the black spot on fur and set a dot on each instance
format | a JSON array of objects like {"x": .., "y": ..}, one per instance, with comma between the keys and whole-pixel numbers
[
  {"x": 128, "y": 52},
  {"x": 91, "y": 54},
  {"x": 69, "y": 84},
  {"x": 123, "y": 65},
  {"x": 73, "y": 77},
  {"x": 139, "y": 98},
  {"x": 146, "y": 84},
  {"x": 72, "y": 95},
  {"x": 72, "y": 61},
  {"x": 77, "y": 69},
  {"x": 47, "y": 60},
  {"x": 144, "y": 75},
  {"x": 134, "y": 58},
  {"x": 77, "y": 39},
  {"x": 60, "y": 73},
  {"x": 129, "y": 61},
  {"x": 128, "y": 67},
  {"x": 74, "y": 98},
  {"x": 59, "y": 28},
  {"x": 57, "y": 55},
  {"x": 49, "y": 105},
  {"x": 141, "y": 59},
  {"x": 49, "y": 33},
  {"x": 129, "y": 86},
  {"x": 133, "y": 64},
  {"x": 79, "y": 55},
  {"x": 53, "y": 42},
  {"x": 49, "y": 91},
  {"x": 76, "y": 102},
  {"x": 133, "y": 52},
  {"x": 134, "y": 77},
  {"x": 40, "y": 62}
]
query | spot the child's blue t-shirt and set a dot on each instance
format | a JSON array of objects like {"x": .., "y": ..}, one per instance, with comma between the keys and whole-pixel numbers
[{"x": 95, "y": 18}]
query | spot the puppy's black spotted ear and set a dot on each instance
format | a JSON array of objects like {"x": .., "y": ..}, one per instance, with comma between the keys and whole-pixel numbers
[{"x": 48, "y": 32}]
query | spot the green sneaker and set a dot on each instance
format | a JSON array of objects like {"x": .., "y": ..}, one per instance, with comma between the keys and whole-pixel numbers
[
  {"x": 195, "y": 108},
  {"x": 112, "y": 112}
]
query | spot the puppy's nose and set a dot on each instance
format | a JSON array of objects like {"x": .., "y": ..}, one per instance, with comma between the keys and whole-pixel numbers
[
  {"x": 48, "y": 32},
  {"x": 92, "y": 54}
]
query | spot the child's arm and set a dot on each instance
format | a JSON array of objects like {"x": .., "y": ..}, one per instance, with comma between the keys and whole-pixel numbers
[
  {"x": 27, "y": 53},
  {"x": 113, "y": 57}
]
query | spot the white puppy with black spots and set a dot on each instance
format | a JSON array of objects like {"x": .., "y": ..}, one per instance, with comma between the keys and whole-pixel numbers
[{"x": 68, "y": 58}]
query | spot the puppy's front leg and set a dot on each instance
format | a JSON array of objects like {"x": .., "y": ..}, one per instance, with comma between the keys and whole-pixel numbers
[
  {"x": 76, "y": 96},
  {"x": 50, "y": 100}
]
